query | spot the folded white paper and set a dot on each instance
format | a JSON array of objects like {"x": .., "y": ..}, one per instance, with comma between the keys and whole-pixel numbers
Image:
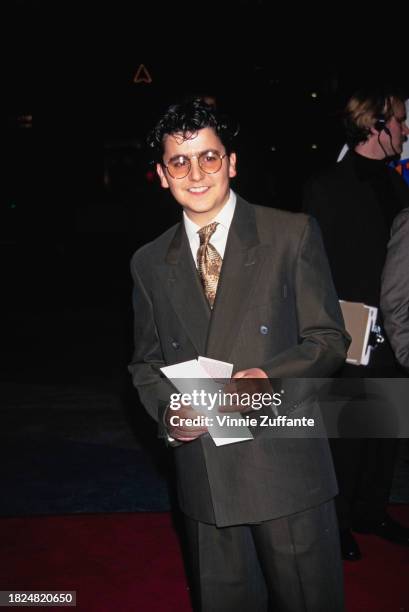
[{"x": 188, "y": 377}]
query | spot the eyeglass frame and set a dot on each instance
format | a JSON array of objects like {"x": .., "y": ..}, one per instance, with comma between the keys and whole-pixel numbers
[{"x": 190, "y": 157}]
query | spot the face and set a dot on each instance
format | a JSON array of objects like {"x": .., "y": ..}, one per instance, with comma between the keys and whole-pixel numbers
[
  {"x": 201, "y": 195},
  {"x": 398, "y": 130}
]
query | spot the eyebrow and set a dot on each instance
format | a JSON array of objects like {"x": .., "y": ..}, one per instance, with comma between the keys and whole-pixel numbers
[{"x": 195, "y": 154}]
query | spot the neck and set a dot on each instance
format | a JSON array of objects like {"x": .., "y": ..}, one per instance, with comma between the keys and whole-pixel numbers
[
  {"x": 201, "y": 219},
  {"x": 370, "y": 149}
]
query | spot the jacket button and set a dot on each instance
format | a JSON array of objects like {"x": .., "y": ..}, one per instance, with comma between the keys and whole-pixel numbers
[
  {"x": 175, "y": 345},
  {"x": 263, "y": 330}
]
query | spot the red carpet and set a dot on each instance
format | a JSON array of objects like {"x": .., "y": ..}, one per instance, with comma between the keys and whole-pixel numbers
[
  {"x": 380, "y": 581},
  {"x": 132, "y": 562}
]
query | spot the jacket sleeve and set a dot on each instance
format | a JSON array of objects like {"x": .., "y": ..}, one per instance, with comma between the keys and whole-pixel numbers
[
  {"x": 323, "y": 340},
  {"x": 395, "y": 289},
  {"x": 153, "y": 388}
]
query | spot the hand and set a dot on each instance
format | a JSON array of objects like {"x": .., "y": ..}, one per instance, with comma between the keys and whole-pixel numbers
[
  {"x": 180, "y": 431},
  {"x": 252, "y": 380},
  {"x": 251, "y": 373}
]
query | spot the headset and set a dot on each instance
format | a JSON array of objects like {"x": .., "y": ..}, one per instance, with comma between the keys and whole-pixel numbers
[{"x": 380, "y": 125}]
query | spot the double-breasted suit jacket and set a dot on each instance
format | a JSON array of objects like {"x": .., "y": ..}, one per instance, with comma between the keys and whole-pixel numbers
[{"x": 275, "y": 309}]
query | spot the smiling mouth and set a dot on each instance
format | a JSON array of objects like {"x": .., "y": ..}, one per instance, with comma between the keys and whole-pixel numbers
[{"x": 198, "y": 190}]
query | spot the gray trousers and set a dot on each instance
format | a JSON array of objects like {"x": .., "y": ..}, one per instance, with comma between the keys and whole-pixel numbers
[{"x": 289, "y": 564}]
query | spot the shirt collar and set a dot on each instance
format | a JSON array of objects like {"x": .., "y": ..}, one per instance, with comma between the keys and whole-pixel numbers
[{"x": 224, "y": 217}]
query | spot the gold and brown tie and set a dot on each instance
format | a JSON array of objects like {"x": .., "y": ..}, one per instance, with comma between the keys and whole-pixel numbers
[{"x": 209, "y": 262}]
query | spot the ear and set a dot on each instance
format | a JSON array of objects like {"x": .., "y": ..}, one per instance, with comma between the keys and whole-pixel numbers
[
  {"x": 162, "y": 177},
  {"x": 232, "y": 165}
]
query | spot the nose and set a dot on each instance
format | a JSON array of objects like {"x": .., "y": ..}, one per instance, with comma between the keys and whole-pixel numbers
[{"x": 196, "y": 173}]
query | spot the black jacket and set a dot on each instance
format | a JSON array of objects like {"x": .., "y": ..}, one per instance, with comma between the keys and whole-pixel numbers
[{"x": 354, "y": 203}]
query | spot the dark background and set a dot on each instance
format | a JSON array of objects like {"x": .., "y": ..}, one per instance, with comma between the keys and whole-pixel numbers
[{"x": 79, "y": 195}]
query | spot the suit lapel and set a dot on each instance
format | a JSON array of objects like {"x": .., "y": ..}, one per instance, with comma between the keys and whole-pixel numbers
[
  {"x": 182, "y": 284},
  {"x": 240, "y": 270}
]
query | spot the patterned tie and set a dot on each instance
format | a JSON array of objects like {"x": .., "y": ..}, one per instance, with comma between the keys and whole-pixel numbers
[{"x": 209, "y": 262}]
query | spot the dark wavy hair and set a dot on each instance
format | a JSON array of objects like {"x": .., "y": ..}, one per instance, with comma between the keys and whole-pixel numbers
[
  {"x": 364, "y": 109},
  {"x": 187, "y": 118}
]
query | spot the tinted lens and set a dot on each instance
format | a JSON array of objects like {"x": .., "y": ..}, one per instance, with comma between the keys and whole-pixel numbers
[
  {"x": 210, "y": 161},
  {"x": 179, "y": 167}
]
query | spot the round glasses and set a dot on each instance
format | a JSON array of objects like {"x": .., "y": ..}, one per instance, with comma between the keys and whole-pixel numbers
[{"x": 180, "y": 165}]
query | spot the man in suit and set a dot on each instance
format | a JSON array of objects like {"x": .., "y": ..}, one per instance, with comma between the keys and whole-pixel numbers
[
  {"x": 395, "y": 289},
  {"x": 354, "y": 203},
  {"x": 256, "y": 293}
]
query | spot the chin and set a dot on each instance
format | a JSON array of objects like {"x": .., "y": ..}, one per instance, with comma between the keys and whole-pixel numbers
[
  {"x": 200, "y": 206},
  {"x": 198, "y": 210}
]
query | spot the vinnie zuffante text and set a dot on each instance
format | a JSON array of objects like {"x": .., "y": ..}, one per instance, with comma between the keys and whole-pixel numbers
[{"x": 230, "y": 421}]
